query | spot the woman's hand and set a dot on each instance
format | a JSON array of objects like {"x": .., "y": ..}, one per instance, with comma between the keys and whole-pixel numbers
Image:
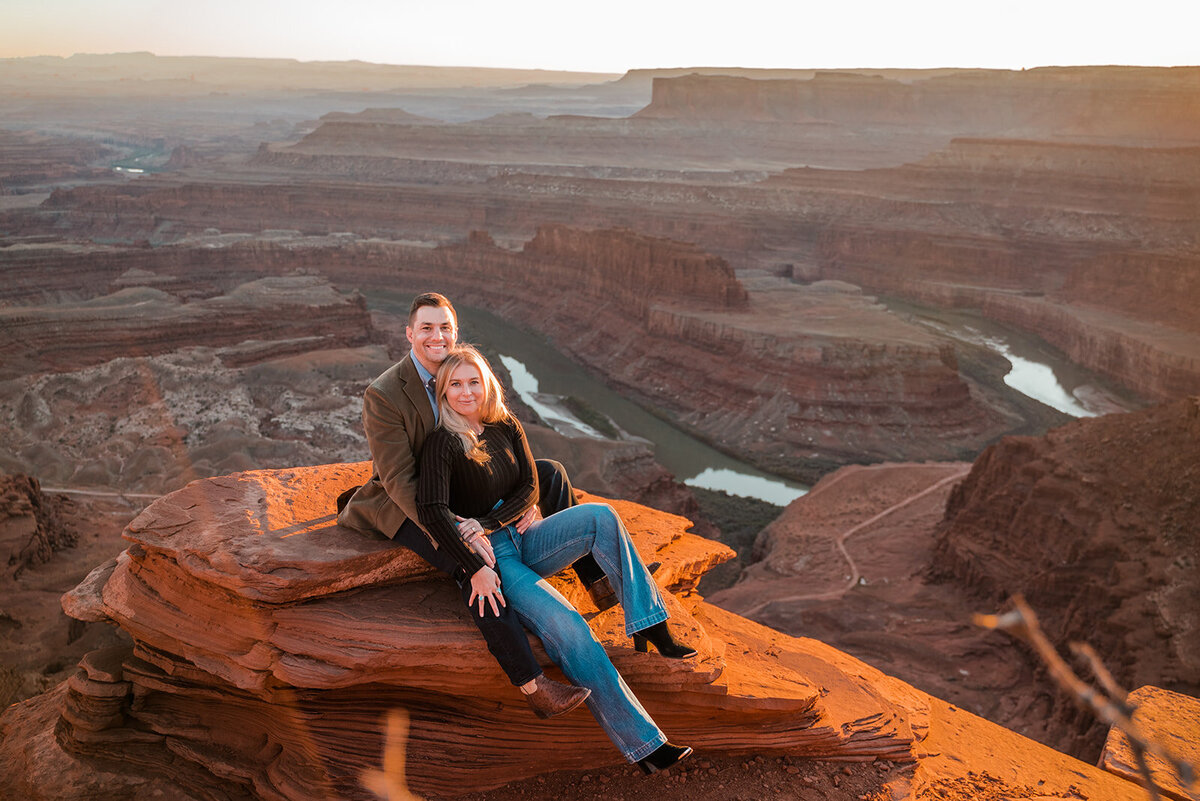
[
  {"x": 473, "y": 535},
  {"x": 485, "y": 585}
]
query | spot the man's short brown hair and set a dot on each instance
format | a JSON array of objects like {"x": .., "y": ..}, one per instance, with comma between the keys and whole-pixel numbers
[{"x": 431, "y": 299}]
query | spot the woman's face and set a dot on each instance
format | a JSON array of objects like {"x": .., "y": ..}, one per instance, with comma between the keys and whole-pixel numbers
[{"x": 465, "y": 391}]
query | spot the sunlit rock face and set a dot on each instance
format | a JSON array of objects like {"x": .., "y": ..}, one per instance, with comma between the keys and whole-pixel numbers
[
  {"x": 268, "y": 642},
  {"x": 1172, "y": 721},
  {"x": 1095, "y": 524},
  {"x": 267, "y": 647}
]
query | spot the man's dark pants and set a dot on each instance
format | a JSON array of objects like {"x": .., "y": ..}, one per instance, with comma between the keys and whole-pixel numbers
[{"x": 504, "y": 635}]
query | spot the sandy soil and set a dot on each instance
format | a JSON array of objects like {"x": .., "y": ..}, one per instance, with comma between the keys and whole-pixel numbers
[{"x": 704, "y": 779}]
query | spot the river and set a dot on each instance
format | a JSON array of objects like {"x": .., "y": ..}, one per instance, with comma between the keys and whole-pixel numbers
[
  {"x": 544, "y": 377},
  {"x": 1038, "y": 370}
]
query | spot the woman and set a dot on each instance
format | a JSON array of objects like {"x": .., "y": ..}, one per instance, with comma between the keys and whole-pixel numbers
[{"x": 476, "y": 478}]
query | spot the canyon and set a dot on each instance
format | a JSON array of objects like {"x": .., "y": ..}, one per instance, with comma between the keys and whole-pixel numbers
[{"x": 738, "y": 251}]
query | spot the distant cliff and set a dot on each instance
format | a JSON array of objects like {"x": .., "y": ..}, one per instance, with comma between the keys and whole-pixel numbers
[
  {"x": 1149, "y": 103},
  {"x": 282, "y": 314}
]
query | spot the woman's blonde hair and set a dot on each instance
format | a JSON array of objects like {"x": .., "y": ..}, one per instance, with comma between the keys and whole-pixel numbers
[{"x": 493, "y": 407}]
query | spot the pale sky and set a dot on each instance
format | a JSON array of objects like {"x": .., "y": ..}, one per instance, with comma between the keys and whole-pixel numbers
[{"x": 620, "y": 34}]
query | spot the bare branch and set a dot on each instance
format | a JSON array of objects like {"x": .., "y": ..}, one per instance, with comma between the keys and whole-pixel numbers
[{"x": 1111, "y": 708}]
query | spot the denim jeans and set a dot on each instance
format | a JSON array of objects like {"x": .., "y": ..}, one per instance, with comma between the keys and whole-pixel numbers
[
  {"x": 549, "y": 546},
  {"x": 503, "y": 633}
]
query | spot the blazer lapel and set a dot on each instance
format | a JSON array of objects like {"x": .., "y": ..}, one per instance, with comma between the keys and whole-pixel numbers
[{"x": 414, "y": 388}]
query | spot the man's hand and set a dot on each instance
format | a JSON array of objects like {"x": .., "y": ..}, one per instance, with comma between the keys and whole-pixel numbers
[
  {"x": 485, "y": 585},
  {"x": 483, "y": 547},
  {"x": 473, "y": 535},
  {"x": 531, "y": 516}
]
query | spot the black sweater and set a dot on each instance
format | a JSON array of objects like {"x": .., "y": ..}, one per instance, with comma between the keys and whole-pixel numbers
[{"x": 449, "y": 483}]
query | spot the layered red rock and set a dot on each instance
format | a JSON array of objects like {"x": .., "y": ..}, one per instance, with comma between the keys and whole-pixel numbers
[
  {"x": 307, "y": 652},
  {"x": 1170, "y": 721},
  {"x": 256, "y": 619},
  {"x": 1095, "y": 525},
  {"x": 296, "y": 313}
]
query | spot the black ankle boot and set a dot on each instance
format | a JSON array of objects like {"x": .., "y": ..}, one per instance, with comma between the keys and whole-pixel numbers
[
  {"x": 660, "y": 636},
  {"x": 663, "y": 757}
]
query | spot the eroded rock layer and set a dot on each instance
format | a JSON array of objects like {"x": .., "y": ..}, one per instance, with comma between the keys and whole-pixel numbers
[
  {"x": 269, "y": 645},
  {"x": 1095, "y": 524},
  {"x": 322, "y": 629},
  {"x": 282, "y": 315},
  {"x": 1136, "y": 102},
  {"x": 794, "y": 378}
]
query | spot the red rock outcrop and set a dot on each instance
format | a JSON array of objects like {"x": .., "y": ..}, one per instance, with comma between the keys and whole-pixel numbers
[
  {"x": 267, "y": 642},
  {"x": 1172, "y": 721},
  {"x": 31, "y": 524},
  {"x": 319, "y": 611},
  {"x": 1095, "y": 524}
]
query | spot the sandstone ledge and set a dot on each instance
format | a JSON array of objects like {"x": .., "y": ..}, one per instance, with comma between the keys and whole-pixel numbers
[{"x": 268, "y": 643}]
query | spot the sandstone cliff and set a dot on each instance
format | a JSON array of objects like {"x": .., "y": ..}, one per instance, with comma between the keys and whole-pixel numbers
[
  {"x": 267, "y": 643},
  {"x": 1112, "y": 102},
  {"x": 1095, "y": 524}
]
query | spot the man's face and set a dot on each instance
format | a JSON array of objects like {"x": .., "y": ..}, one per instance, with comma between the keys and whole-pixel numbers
[{"x": 432, "y": 333}]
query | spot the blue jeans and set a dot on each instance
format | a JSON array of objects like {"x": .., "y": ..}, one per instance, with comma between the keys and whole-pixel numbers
[{"x": 550, "y": 545}]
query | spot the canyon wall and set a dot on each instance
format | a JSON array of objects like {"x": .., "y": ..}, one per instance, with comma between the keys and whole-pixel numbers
[
  {"x": 1150, "y": 104},
  {"x": 30, "y": 162},
  {"x": 1095, "y": 525},
  {"x": 796, "y": 379},
  {"x": 285, "y": 314}
]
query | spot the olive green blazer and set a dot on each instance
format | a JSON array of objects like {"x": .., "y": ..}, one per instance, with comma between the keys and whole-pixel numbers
[{"x": 397, "y": 417}]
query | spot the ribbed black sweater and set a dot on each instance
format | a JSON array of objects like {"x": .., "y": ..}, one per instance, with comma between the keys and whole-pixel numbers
[{"x": 449, "y": 483}]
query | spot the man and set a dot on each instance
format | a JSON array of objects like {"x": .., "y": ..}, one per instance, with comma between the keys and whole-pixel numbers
[{"x": 399, "y": 410}]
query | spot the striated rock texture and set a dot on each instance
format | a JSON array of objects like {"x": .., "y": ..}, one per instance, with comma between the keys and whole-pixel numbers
[
  {"x": 321, "y": 629},
  {"x": 1095, "y": 524},
  {"x": 31, "y": 524},
  {"x": 268, "y": 644},
  {"x": 282, "y": 315},
  {"x": 1172, "y": 720}
]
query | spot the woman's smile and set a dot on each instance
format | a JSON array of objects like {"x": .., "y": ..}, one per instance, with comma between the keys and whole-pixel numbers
[{"x": 465, "y": 392}]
